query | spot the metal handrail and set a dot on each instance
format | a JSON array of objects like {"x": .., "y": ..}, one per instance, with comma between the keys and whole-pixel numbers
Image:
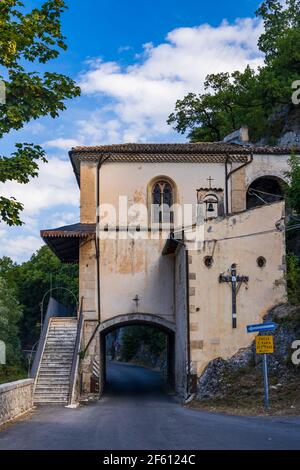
[
  {"x": 50, "y": 292},
  {"x": 75, "y": 361}
]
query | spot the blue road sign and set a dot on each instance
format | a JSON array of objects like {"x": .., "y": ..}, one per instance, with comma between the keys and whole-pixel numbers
[{"x": 262, "y": 327}]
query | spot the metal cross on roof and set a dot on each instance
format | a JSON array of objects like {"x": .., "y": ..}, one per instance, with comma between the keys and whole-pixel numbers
[{"x": 210, "y": 180}]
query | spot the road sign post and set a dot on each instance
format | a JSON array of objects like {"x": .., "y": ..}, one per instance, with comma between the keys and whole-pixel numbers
[
  {"x": 264, "y": 345},
  {"x": 266, "y": 381}
]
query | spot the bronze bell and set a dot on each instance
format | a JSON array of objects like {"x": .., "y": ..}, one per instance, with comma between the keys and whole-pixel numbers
[{"x": 210, "y": 207}]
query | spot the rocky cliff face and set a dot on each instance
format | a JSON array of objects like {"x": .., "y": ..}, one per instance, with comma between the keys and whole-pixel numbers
[
  {"x": 222, "y": 377},
  {"x": 284, "y": 128},
  {"x": 290, "y": 135}
]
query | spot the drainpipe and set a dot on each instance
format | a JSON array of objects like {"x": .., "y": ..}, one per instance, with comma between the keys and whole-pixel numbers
[
  {"x": 226, "y": 185},
  {"x": 228, "y": 176}
]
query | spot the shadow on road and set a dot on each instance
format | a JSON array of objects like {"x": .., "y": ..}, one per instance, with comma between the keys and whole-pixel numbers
[{"x": 130, "y": 380}]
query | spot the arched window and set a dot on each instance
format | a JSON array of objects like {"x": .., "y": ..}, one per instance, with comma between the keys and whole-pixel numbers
[
  {"x": 162, "y": 202},
  {"x": 265, "y": 190}
]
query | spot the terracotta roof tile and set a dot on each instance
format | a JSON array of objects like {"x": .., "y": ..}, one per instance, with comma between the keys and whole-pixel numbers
[{"x": 183, "y": 148}]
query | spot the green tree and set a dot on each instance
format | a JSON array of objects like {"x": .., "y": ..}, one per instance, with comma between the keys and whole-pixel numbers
[
  {"x": 10, "y": 316},
  {"x": 249, "y": 97},
  {"x": 135, "y": 336},
  {"x": 33, "y": 37},
  {"x": 293, "y": 279},
  {"x": 293, "y": 202},
  {"x": 32, "y": 280},
  {"x": 293, "y": 188}
]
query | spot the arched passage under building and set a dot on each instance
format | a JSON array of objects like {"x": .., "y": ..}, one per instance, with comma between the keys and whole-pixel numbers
[
  {"x": 265, "y": 190},
  {"x": 152, "y": 322}
]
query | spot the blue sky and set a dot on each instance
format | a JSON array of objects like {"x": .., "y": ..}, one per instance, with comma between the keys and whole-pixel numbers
[{"x": 133, "y": 60}]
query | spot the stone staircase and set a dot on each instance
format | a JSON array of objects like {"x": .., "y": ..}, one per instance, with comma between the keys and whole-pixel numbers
[{"x": 52, "y": 384}]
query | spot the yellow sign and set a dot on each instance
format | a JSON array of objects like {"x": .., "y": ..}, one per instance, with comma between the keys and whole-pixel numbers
[{"x": 264, "y": 344}]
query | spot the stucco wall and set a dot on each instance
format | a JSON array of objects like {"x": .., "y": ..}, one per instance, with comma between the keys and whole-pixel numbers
[
  {"x": 136, "y": 267},
  {"x": 230, "y": 241},
  {"x": 132, "y": 180},
  {"x": 15, "y": 399}
]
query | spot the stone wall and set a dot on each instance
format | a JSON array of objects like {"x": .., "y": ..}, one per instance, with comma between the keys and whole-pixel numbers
[
  {"x": 15, "y": 399},
  {"x": 181, "y": 355}
]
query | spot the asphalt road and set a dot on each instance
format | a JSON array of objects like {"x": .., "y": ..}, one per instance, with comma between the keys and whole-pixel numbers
[{"x": 136, "y": 413}]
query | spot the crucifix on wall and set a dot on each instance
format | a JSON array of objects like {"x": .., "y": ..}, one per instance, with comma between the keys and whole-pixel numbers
[
  {"x": 236, "y": 282},
  {"x": 137, "y": 301}
]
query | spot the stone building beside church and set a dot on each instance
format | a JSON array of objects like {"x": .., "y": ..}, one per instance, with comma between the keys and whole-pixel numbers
[{"x": 205, "y": 260}]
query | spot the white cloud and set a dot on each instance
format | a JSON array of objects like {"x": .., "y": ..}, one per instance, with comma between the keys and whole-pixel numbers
[
  {"x": 55, "y": 186},
  {"x": 21, "y": 248},
  {"x": 61, "y": 143},
  {"x": 54, "y": 190},
  {"x": 144, "y": 94}
]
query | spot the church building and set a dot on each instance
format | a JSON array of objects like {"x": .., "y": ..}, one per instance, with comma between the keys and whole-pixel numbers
[{"x": 188, "y": 238}]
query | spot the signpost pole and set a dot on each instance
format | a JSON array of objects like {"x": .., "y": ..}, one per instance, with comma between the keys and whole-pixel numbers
[
  {"x": 266, "y": 381},
  {"x": 264, "y": 346}
]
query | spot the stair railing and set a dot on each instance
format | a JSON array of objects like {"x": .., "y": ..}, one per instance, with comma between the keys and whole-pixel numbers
[
  {"x": 54, "y": 309},
  {"x": 76, "y": 356}
]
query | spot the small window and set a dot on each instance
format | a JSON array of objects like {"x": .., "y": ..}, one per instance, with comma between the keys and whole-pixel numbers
[
  {"x": 208, "y": 261},
  {"x": 261, "y": 262}
]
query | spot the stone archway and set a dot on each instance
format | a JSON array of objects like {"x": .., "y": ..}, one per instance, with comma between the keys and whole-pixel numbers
[
  {"x": 265, "y": 190},
  {"x": 153, "y": 321}
]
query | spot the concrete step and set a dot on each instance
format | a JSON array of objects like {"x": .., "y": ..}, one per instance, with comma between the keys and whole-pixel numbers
[
  {"x": 50, "y": 402},
  {"x": 51, "y": 393},
  {"x": 58, "y": 358},
  {"x": 51, "y": 399},
  {"x": 62, "y": 338},
  {"x": 53, "y": 385},
  {"x": 63, "y": 333},
  {"x": 55, "y": 372},
  {"x": 52, "y": 389},
  {"x": 53, "y": 381},
  {"x": 59, "y": 350},
  {"x": 59, "y": 365},
  {"x": 61, "y": 343}
]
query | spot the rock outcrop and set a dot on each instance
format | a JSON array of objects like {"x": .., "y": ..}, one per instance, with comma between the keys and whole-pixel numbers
[{"x": 221, "y": 375}]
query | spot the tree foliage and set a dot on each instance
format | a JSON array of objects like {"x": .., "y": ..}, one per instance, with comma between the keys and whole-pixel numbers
[
  {"x": 249, "y": 97},
  {"x": 31, "y": 280},
  {"x": 293, "y": 188},
  {"x": 135, "y": 336},
  {"x": 293, "y": 202},
  {"x": 10, "y": 316},
  {"x": 33, "y": 37},
  {"x": 293, "y": 279}
]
